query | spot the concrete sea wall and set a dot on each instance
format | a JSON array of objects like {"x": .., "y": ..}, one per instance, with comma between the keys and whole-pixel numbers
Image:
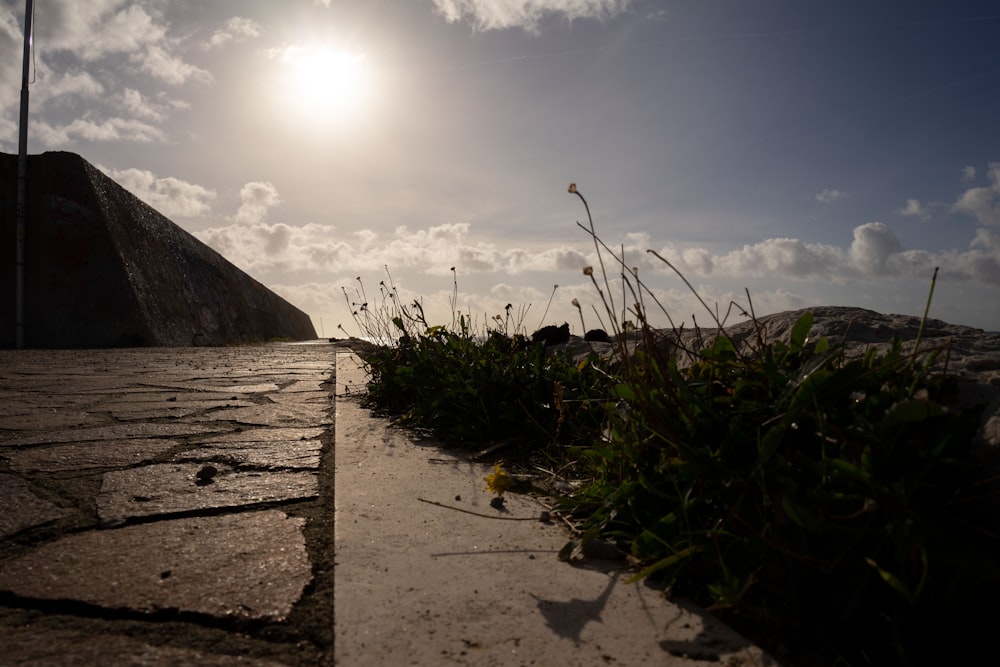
[{"x": 104, "y": 269}]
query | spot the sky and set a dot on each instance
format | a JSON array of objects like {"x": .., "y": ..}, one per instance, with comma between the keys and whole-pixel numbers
[{"x": 805, "y": 153}]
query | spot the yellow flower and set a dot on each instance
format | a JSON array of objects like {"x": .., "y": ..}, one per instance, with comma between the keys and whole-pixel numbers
[{"x": 498, "y": 481}]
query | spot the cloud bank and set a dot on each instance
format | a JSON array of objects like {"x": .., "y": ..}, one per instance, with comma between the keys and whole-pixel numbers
[
  {"x": 525, "y": 14},
  {"x": 82, "y": 52}
]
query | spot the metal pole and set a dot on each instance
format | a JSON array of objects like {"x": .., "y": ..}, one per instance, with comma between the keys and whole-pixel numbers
[{"x": 22, "y": 174}]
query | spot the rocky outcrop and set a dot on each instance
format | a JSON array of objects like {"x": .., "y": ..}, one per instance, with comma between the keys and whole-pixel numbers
[{"x": 103, "y": 269}]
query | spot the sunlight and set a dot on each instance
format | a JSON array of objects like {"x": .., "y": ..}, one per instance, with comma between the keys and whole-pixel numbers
[{"x": 326, "y": 83}]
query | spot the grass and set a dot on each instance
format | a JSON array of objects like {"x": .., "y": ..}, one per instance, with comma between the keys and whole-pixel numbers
[{"x": 826, "y": 501}]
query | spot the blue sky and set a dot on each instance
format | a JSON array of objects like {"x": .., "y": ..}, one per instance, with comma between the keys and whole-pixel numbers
[{"x": 812, "y": 153}]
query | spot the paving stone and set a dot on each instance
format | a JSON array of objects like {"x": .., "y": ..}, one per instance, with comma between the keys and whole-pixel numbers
[
  {"x": 278, "y": 454},
  {"x": 61, "y": 648},
  {"x": 258, "y": 388},
  {"x": 265, "y": 435},
  {"x": 300, "y": 386},
  {"x": 116, "y": 432},
  {"x": 309, "y": 397},
  {"x": 18, "y": 401},
  {"x": 177, "y": 408},
  {"x": 83, "y": 455},
  {"x": 22, "y": 509},
  {"x": 168, "y": 488},
  {"x": 250, "y": 565},
  {"x": 313, "y": 405},
  {"x": 268, "y": 414},
  {"x": 48, "y": 419}
]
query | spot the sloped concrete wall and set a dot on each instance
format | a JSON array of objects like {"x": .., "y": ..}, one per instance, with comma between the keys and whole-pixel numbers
[{"x": 104, "y": 269}]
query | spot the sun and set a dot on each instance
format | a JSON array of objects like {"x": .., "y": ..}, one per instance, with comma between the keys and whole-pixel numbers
[{"x": 322, "y": 81}]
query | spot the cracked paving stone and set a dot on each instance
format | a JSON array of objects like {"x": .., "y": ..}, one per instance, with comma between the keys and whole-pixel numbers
[
  {"x": 169, "y": 408},
  {"x": 304, "y": 386},
  {"x": 80, "y": 455},
  {"x": 249, "y": 565},
  {"x": 279, "y": 454},
  {"x": 116, "y": 432},
  {"x": 262, "y": 415},
  {"x": 168, "y": 488},
  {"x": 265, "y": 435},
  {"x": 50, "y": 418},
  {"x": 258, "y": 388},
  {"x": 23, "y": 509}
]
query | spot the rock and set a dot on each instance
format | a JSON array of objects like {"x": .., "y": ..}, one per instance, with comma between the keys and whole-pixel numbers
[
  {"x": 597, "y": 336},
  {"x": 552, "y": 335}
]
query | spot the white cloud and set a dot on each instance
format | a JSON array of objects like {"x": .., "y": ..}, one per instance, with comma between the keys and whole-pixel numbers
[
  {"x": 555, "y": 259},
  {"x": 781, "y": 256},
  {"x": 874, "y": 251},
  {"x": 983, "y": 203},
  {"x": 170, "y": 68},
  {"x": 872, "y": 246},
  {"x": 58, "y": 87},
  {"x": 96, "y": 28},
  {"x": 778, "y": 257},
  {"x": 139, "y": 105},
  {"x": 828, "y": 196},
  {"x": 526, "y": 14},
  {"x": 258, "y": 246},
  {"x": 914, "y": 208},
  {"x": 436, "y": 249},
  {"x": 968, "y": 174},
  {"x": 256, "y": 198},
  {"x": 170, "y": 196},
  {"x": 988, "y": 239},
  {"x": 236, "y": 29},
  {"x": 252, "y": 243},
  {"x": 86, "y": 129},
  {"x": 78, "y": 49}
]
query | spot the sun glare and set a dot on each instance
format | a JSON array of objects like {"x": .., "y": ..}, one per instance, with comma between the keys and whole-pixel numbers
[{"x": 327, "y": 83}]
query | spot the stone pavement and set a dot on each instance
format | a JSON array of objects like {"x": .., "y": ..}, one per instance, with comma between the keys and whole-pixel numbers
[{"x": 167, "y": 506}]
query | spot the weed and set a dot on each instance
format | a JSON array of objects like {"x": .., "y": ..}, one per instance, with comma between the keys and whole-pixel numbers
[{"x": 473, "y": 387}]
